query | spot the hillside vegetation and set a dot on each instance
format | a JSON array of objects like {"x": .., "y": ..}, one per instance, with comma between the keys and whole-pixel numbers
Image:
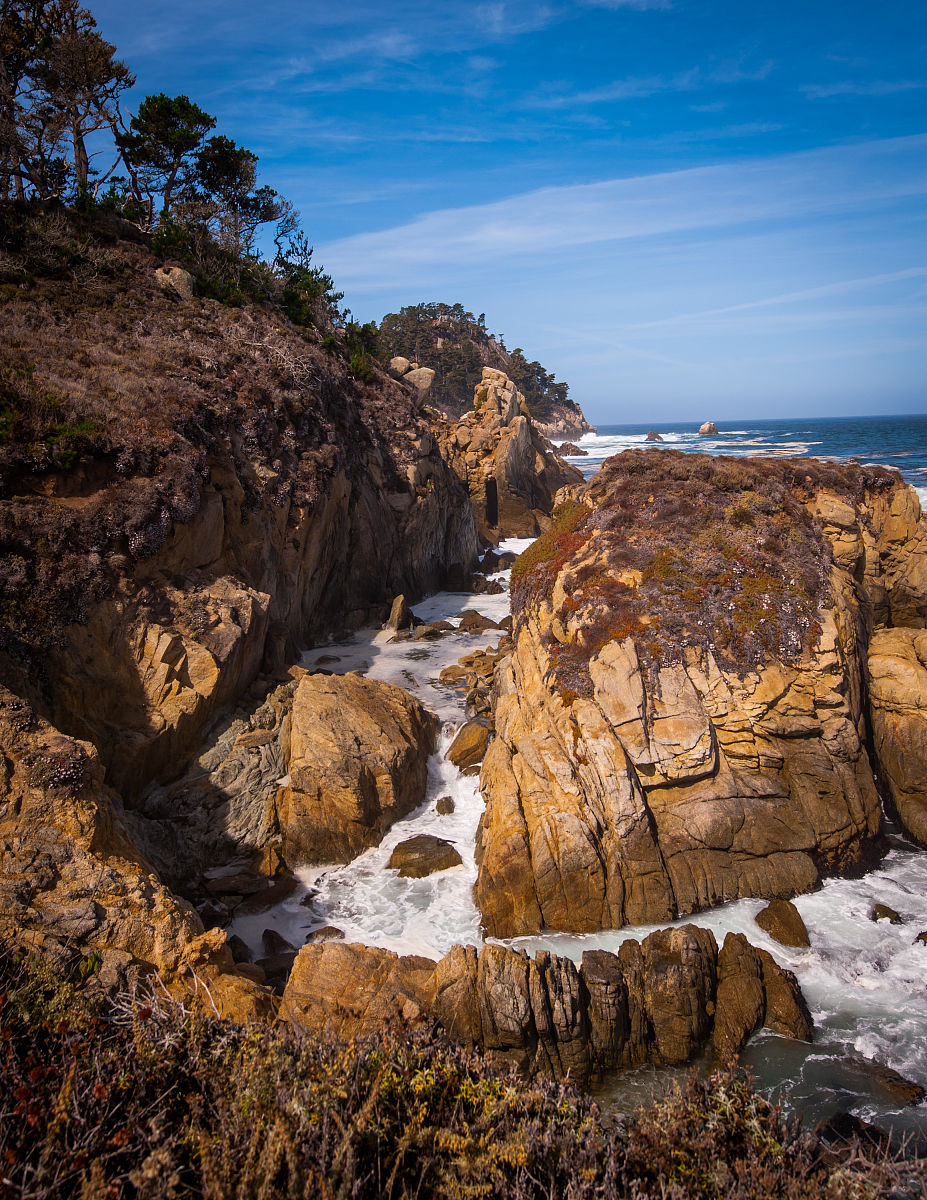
[{"x": 457, "y": 345}]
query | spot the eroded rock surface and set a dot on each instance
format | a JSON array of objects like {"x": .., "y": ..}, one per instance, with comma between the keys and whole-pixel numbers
[
  {"x": 657, "y": 1001},
  {"x": 358, "y": 761},
  {"x": 682, "y": 721},
  {"x": 898, "y": 691},
  {"x": 510, "y": 469}
]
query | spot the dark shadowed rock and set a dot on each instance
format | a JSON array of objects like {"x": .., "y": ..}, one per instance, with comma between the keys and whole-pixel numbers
[
  {"x": 573, "y": 450},
  {"x": 423, "y": 855},
  {"x": 652, "y": 436},
  {"x": 882, "y": 912},
  {"x": 782, "y": 921},
  {"x": 445, "y": 805}
]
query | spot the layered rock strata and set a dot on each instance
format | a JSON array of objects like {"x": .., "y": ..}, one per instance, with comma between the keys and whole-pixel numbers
[
  {"x": 511, "y": 471},
  {"x": 658, "y": 1001},
  {"x": 683, "y": 718}
]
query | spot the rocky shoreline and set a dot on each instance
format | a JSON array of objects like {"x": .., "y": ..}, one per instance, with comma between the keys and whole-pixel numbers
[{"x": 712, "y": 669}]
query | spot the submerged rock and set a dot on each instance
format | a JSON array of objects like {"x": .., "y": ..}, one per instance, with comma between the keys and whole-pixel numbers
[
  {"x": 423, "y": 855},
  {"x": 882, "y": 912},
  {"x": 782, "y": 921}
]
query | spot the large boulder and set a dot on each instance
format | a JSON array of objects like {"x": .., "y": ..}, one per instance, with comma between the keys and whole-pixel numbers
[
  {"x": 783, "y": 922},
  {"x": 707, "y": 429},
  {"x": 423, "y": 855},
  {"x": 682, "y": 720},
  {"x": 357, "y": 762}
]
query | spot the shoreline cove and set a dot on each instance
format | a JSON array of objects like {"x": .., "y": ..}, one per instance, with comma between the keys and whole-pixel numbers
[{"x": 863, "y": 980}]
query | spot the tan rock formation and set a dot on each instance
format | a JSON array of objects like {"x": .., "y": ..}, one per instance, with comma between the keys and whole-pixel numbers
[
  {"x": 898, "y": 691},
  {"x": 357, "y": 762},
  {"x": 656, "y": 1001},
  {"x": 72, "y": 882},
  {"x": 678, "y": 778},
  {"x": 511, "y": 471}
]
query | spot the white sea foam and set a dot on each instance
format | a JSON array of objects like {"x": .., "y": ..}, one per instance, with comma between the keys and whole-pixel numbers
[{"x": 864, "y": 981}]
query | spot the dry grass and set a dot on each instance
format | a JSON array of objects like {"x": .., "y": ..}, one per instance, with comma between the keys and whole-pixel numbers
[
  {"x": 140, "y": 1098},
  {"x": 728, "y": 557}
]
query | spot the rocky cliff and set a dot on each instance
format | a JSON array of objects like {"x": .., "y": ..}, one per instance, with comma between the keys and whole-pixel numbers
[
  {"x": 684, "y": 717},
  {"x": 189, "y": 493},
  {"x": 511, "y": 471}
]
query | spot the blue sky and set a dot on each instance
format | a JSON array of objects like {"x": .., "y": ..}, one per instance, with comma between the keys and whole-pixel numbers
[{"x": 684, "y": 208}]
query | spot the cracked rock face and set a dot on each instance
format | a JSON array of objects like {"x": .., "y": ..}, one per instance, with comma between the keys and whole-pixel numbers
[
  {"x": 658, "y": 1001},
  {"x": 677, "y": 779},
  {"x": 510, "y": 469}
]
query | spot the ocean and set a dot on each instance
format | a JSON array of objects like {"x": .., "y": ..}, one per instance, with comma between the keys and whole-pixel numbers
[{"x": 899, "y": 442}]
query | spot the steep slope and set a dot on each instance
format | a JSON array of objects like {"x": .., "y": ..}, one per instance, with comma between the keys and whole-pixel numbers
[
  {"x": 188, "y": 494},
  {"x": 683, "y": 720}
]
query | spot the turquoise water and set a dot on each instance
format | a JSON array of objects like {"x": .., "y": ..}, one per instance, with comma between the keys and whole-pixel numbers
[{"x": 899, "y": 442}]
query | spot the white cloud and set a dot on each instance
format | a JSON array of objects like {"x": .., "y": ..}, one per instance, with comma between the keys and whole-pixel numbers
[
  {"x": 878, "y": 87},
  {"x": 553, "y": 219}
]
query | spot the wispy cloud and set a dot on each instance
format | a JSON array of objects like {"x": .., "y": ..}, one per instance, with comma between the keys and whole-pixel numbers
[
  {"x": 639, "y": 86},
  {"x": 554, "y": 219},
  {"x": 877, "y": 87},
  {"x": 837, "y": 288}
]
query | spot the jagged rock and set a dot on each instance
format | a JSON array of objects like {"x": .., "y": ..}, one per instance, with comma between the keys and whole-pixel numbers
[
  {"x": 882, "y": 912},
  {"x": 669, "y": 776},
  {"x": 652, "y": 1002},
  {"x": 921, "y": 937},
  {"x": 898, "y": 695},
  {"x": 239, "y": 949},
  {"x": 275, "y": 943},
  {"x": 783, "y": 922},
  {"x": 423, "y": 855},
  {"x": 652, "y": 436},
  {"x": 573, "y": 450},
  {"x": 472, "y": 621},
  {"x": 353, "y": 990},
  {"x": 445, "y": 806},
  {"x": 400, "y": 615},
  {"x": 176, "y": 280},
  {"x": 469, "y": 746},
  {"x": 509, "y": 468},
  {"x": 708, "y": 429},
  {"x": 786, "y": 1010},
  {"x": 358, "y": 762}
]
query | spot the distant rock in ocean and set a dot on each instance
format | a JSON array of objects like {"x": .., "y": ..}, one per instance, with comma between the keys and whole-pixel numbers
[{"x": 707, "y": 429}]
